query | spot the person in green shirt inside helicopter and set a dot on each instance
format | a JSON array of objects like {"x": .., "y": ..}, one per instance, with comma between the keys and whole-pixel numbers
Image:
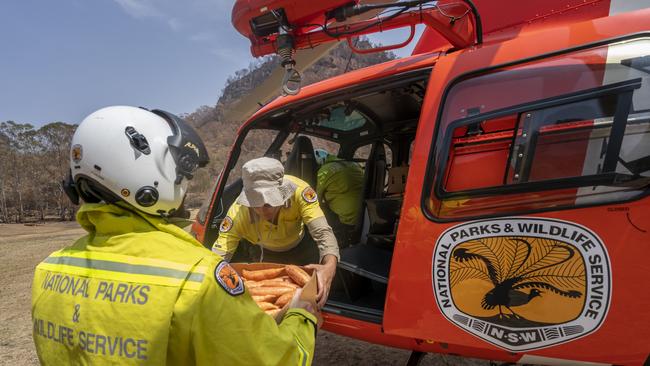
[{"x": 339, "y": 186}]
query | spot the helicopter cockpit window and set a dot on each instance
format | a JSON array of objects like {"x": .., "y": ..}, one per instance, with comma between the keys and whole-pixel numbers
[
  {"x": 552, "y": 139},
  {"x": 341, "y": 118}
]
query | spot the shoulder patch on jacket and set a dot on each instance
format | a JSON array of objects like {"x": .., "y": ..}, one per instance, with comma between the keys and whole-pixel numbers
[
  {"x": 309, "y": 195},
  {"x": 226, "y": 225},
  {"x": 228, "y": 279}
]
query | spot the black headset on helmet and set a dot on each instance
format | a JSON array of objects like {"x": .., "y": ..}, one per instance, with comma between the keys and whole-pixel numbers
[{"x": 187, "y": 150}]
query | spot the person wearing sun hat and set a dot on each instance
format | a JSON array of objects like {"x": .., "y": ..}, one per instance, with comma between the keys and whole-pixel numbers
[{"x": 277, "y": 218}]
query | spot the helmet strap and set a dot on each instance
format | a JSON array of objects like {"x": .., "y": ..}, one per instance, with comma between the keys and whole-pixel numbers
[{"x": 70, "y": 188}]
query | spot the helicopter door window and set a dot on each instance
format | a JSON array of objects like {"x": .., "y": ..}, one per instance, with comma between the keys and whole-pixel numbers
[
  {"x": 569, "y": 152},
  {"x": 485, "y": 155},
  {"x": 597, "y": 137},
  {"x": 555, "y": 133},
  {"x": 554, "y": 143},
  {"x": 205, "y": 205},
  {"x": 255, "y": 145}
]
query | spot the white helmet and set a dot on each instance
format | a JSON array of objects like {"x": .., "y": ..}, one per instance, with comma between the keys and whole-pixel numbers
[{"x": 131, "y": 154}]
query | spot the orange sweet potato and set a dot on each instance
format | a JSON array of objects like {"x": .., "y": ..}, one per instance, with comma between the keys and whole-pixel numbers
[
  {"x": 284, "y": 299},
  {"x": 297, "y": 274},
  {"x": 276, "y": 283},
  {"x": 263, "y": 274},
  {"x": 277, "y": 291},
  {"x": 267, "y": 306},
  {"x": 265, "y": 298},
  {"x": 252, "y": 284}
]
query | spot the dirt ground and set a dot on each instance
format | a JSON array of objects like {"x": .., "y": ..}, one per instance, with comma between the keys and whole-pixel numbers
[{"x": 23, "y": 247}]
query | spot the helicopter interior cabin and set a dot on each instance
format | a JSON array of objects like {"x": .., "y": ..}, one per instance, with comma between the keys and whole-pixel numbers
[{"x": 372, "y": 125}]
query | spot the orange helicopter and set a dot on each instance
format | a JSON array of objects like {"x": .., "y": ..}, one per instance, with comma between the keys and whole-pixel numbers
[{"x": 506, "y": 168}]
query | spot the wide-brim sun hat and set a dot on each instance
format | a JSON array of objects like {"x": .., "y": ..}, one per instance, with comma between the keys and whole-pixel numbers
[{"x": 265, "y": 184}]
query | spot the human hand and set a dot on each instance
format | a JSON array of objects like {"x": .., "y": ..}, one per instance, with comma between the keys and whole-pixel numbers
[{"x": 325, "y": 274}]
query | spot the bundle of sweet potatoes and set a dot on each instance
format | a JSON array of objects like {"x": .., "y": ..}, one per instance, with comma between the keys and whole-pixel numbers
[{"x": 273, "y": 288}]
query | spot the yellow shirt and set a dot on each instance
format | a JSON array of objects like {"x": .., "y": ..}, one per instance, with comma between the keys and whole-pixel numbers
[
  {"x": 340, "y": 186},
  {"x": 140, "y": 291},
  {"x": 241, "y": 222}
]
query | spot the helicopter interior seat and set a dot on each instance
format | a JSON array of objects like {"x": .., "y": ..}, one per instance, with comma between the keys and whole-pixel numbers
[
  {"x": 374, "y": 175},
  {"x": 301, "y": 161},
  {"x": 365, "y": 258},
  {"x": 365, "y": 267},
  {"x": 383, "y": 216}
]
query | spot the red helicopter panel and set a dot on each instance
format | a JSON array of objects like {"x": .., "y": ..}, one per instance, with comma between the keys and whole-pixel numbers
[
  {"x": 507, "y": 18},
  {"x": 595, "y": 332}
]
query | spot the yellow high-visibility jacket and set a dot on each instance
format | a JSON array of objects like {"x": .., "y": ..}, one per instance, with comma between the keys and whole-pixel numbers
[
  {"x": 340, "y": 186},
  {"x": 139, "y": 290}
]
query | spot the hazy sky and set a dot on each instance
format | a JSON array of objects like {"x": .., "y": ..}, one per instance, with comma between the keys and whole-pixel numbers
[{"x": 62, "y": 59}]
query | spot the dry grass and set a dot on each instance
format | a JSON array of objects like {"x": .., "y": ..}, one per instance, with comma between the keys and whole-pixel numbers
[{"x": 21, "y": 249}]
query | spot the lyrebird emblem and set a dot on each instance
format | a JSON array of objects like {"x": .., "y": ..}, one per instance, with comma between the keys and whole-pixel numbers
[{"x": 514, "y": 265}]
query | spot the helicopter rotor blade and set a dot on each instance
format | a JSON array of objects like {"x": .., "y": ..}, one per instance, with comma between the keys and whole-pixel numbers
[
  {"x": 269, "y": 87},
  {"x": 261, "y": 94}
]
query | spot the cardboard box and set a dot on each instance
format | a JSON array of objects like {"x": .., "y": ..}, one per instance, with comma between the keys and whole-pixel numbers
[{"x": 309, "y": 291}]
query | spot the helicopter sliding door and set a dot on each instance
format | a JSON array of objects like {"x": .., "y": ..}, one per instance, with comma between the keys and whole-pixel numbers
[{"x": 531, "y": 216}]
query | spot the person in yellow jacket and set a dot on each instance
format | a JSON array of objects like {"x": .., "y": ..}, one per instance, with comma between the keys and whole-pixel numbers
[
  {"x": 268, "y": 221},
  {"x": 339, "y": 185},
  {"x": 138, "y": 289}
]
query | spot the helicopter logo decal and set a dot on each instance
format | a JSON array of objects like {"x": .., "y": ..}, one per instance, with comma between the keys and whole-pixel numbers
[{"x": 522, "y": 283}]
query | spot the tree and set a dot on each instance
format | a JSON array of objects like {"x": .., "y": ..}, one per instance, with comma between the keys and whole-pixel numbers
[
  {"x": 21, "y": 142},
  {"x": 32, "y": 165},
  {"x": 4, "y": 167},
  {"x": 54, "y": 140}
]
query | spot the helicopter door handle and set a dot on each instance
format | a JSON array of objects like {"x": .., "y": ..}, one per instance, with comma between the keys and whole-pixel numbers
[{"x": 384, "y": 48}]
